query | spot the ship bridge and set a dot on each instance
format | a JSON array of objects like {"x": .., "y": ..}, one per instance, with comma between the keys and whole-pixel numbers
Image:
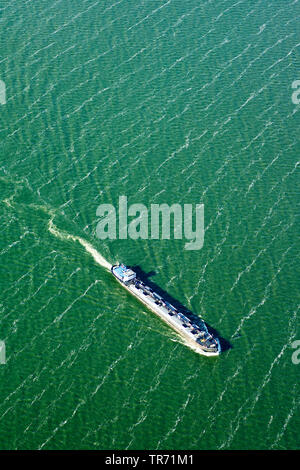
[{"x": 123, "y": 273}]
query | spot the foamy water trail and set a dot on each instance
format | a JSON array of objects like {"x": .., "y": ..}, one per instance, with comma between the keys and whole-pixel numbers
[{"x": 89, "y": 248}]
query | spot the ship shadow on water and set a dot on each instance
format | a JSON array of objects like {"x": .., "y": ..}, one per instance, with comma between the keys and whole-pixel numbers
[{"x": 145, "y": 277}]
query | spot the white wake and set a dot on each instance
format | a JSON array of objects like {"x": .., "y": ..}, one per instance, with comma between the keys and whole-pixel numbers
[{"x": 89, "y": 248}]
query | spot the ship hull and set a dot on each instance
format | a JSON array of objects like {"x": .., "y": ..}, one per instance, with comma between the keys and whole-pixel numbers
[{"x": 177, "y": 327}]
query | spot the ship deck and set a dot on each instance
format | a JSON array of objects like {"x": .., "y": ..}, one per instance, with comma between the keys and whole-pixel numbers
[
  {"x": 196, "y": 335},
  {"x": 178, "y": 321}
]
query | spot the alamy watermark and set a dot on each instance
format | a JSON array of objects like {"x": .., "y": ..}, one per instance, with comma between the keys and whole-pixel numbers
[
  {"x": 296, "y": 354},
  {"x": 184, "y": 221},
  {"x": 2, "y": 352},
  {"x": 296, "y": 94},
  {"x": 2, "y": 92}
]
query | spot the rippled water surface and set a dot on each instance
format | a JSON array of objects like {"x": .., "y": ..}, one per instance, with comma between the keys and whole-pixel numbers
[{"x": 165, "y": 101}]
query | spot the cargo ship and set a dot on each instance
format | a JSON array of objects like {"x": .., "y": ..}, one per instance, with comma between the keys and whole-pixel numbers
[{"x": 194, "y": 333}]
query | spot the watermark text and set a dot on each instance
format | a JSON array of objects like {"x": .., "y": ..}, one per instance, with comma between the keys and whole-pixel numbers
[
  {"x": 296, "y": 354},
  {"x": 2, "y": 92},
  {"x": 161, "y": 221},
  {"x": 2, "y": 352},
  {"x": 296, "y": 94}
]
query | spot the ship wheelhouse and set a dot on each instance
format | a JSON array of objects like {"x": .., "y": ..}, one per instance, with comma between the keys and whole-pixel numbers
[{"x": 123, "y": 273}]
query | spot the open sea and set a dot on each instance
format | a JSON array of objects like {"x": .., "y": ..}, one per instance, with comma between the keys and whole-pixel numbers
[{"x": 164, "y": 101}]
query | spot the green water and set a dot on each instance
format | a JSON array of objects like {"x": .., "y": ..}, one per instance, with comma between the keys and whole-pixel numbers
[{"x": 164, "y": 102}]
